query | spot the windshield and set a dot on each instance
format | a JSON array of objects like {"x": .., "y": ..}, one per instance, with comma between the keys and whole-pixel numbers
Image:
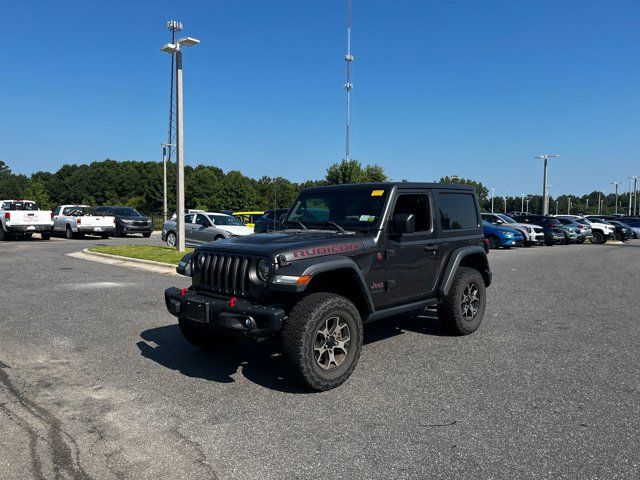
[
  {"x": 354, "y": 208},
  {"x": 127, "y": 212},
  {"x": 505, "y": 218},
  {"x": 225, "y": 220},
  {"x": 633, "y": 222}
]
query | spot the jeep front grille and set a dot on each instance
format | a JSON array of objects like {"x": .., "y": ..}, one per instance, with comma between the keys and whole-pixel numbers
[{"x": 221, "y": 273}]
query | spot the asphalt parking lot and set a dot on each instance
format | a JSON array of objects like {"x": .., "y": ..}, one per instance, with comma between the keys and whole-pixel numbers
[{"x": 96, "y": 381}]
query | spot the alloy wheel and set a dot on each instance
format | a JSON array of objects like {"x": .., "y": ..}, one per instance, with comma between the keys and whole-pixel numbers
[
  {"x": 171, "y": 240},
  {"x": 470, "y": 302},
  {"x": 332, "y": 343}
]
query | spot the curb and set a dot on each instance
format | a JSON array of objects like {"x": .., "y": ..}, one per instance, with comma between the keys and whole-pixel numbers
[{"x": 120, "y": 261}]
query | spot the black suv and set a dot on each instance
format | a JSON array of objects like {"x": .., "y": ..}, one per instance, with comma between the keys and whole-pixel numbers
[
  {"x": 128, "y": 220},
  {"x": 270, "y": 220},
  {"x": 346, "y": 255}
]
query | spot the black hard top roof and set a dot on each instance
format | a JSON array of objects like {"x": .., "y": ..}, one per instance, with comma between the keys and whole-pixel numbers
[{"x": 399, "y": 185}]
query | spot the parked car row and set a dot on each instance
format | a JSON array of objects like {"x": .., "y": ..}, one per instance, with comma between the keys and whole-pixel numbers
[
  {"x": 520, "y": 228},
  {"x": 24, "y": 217}
]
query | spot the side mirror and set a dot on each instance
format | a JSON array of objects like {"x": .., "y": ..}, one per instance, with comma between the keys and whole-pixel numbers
[
  {"x": 499, "y": 222},
  {"x": 282, "y": 217},
  {"x": 184, "y": 266},
  {"x": 404, "y": 223}
]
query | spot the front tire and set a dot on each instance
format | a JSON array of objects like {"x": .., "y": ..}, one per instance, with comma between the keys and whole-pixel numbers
[
  {"x": 171, "y": 239},
  {"x": 204, "y": 340},
  {"x": 146, "y": 235},
  {"x": 322, "y": 339},
  {"x": 598, "y": 238},
  {"x": 462, "y": 310}
]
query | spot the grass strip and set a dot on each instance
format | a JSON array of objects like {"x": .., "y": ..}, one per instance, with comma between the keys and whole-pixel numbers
[{"x": 143, "y": 252}]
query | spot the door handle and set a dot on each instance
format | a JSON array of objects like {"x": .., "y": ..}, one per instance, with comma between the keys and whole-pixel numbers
[{"x": 430, "y": 248}]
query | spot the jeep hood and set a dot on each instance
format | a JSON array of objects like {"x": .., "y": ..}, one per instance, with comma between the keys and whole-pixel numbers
[{"x": 294, "y": 245}]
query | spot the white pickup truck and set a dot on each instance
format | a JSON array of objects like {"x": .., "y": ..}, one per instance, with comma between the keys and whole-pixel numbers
[
  {"x": 75, "y": 221},
  {"x": 23, "y": 218}
]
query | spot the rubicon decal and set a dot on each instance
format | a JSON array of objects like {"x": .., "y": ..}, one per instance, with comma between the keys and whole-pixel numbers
[{"x": 328, "y": 250}]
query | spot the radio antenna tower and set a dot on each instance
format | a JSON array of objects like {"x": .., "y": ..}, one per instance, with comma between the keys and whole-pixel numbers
[
  {"x": 348, "y": 86},
  {"x": 174, "y": 27}
]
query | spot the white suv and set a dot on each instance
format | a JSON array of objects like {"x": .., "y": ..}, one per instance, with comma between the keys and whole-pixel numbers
[{"x": 601, "y": 231}]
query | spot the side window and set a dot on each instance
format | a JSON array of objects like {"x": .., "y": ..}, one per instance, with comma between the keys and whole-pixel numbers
[
  {"x": 188, "y": 218},
  {"x": 201, "y": 220},
  {"x": 418, "y": 205},
  {"x": 457, "y": 211},
  {"x": 56, "y": 212}
]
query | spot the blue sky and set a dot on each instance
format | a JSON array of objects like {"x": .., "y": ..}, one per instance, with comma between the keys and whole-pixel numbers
[{"x": 473, "y": 88}]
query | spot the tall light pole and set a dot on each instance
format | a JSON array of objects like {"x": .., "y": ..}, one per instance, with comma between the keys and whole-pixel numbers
[
  {"x": 569, "y": 206},
  {"x": 164, "y": 179},
  {"x": 175, "y": 49},
  {"x": 599, "y": 203},
  {"x": 548, "y": 187},
  {"x": 528, "y": 199},
  {"x": 635, "y": 193},
  {"x": 505, "y": 204},
  {"x": 174, "y": 27},
  {"x": 545, "y": 199},
  {"x": 493, "y": 194},
  {"x": 348, "y": 86},
  {"x": 522, "y": 203},
  {"x": 616, "y": 184},
  {"x": 630, "y": 189}
]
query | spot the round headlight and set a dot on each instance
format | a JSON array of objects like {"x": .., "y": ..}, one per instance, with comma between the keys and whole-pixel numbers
[{"x": 263, "y": 269}]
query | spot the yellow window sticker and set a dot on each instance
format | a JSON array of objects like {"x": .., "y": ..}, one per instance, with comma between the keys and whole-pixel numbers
[{"x": 377, "y": 193}]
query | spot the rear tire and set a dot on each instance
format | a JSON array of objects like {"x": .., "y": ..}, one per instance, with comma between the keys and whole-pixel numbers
[
  {"x": 45, "y": 235},
  {"x": 322, "y": 340},
  {"x": 204, "y": 340},
  {"x": 104, "y": 236},
  {"x": 462, "y": 310},
  {"x": 3, "y": 235},
  {"x": 69, "y": 233},
  {"x": 494, "y": 242},
  {"x": 146, "y": 235}
]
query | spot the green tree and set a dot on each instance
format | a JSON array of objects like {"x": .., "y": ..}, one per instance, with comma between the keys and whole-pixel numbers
[
  {"x": 352, "y": 172},
  {"x": 36, "y": 191},
  {"x": 481, "y": 190}
]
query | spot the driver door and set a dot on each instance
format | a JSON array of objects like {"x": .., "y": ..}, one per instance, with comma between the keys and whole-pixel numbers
[
  {"x": 412, "y": 258},
  {"x": 201, "y": 231}
]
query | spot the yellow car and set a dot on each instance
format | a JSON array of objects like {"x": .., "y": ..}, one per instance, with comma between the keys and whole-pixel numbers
[{"x": 248, "y": 218}]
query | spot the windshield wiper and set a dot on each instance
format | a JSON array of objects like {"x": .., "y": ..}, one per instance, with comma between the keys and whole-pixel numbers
[
  {"x": 304, "y": 227},
  {"x": 338, "y": 227}
]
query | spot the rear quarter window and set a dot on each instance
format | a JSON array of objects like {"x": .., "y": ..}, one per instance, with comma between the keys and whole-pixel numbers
[{"x": 457, "y": 211}]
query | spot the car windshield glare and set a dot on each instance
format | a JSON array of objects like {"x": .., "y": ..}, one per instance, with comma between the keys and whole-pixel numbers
[
  {"x": 127, "y": 212},
  {"x": 226, "y": 220},
  {"x": 354, "y": 208},
  {"x": 506, "y": 218}
]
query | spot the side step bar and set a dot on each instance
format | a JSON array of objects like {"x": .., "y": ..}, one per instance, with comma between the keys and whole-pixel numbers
[{"x": 391, "y": 311}]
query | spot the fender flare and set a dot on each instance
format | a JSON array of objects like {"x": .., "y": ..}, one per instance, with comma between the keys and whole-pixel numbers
[
  {"x": 454, "y": 262},
  {"x": 343, "y": 263}
]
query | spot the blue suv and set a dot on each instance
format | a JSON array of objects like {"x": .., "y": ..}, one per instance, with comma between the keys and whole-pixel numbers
[{"x": 501, "y": 236}]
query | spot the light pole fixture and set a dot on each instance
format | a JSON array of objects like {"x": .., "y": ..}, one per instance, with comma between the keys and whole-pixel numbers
[
  {"x": 545, "y": 199},
  {"x": 175, "y": 49},
  {"x": 616, "y": 184},
  {"x": 164, "y": 179},
  {"x": 633, "y": 186}
]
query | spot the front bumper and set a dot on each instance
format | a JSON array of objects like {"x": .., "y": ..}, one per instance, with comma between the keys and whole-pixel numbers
[
  {"x": 216, "y": 313},
  {"x": 127, "y": 228},
  {"x": 28, "y": 228},
  {"x": 511, "y": 241}
]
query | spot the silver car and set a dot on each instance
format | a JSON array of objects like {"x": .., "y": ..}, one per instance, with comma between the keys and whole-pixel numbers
[{"x": 201, "y": 228}]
